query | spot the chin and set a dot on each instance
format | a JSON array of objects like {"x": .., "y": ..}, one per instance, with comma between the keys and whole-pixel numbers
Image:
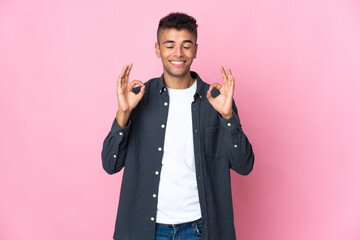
[
  {"x": 181, "y": 73},
  {"x": 178, "y": 74}
]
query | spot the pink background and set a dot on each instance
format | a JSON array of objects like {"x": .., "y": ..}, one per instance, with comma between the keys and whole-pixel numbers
[{"x": 296, "y": 66}]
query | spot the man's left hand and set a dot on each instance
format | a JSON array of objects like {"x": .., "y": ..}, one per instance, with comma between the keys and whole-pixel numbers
[{"x": 223, "y": 102}]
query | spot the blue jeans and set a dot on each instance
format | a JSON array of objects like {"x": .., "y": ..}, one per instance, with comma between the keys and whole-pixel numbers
[{"x": 184, "y": 231}]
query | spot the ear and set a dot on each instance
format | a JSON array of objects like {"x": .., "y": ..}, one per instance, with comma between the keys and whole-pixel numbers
[
  {"x": 157, "y": 50},
  {"x": 195, "y": 50}
]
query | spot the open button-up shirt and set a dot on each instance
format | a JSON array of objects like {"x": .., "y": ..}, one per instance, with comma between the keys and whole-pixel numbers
[{"x": 219, "y": 144}]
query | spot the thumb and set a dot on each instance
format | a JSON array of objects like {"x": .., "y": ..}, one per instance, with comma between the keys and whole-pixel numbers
[
  {"x": 141, "y": 92},
  {"x": 209, "y": 97}
]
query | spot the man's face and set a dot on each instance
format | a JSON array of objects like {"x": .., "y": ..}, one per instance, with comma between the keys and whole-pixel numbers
[{"x": 177, "y": 49}]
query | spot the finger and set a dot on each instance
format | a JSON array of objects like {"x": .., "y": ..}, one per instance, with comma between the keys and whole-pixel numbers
[
  {"x": 232, "y": 81},
  {"x": 121, "y": 77},
  {"x": 142, "y": 92},
  {"x": 224, "y": 75},
  {"x": 209, "y": 97},
  {"x": 212, "y": 86},
  {"x": 123, "y": 72},
  {"x": 128, "y": 72},
  {"x": 134, "y": 83},
  {"x": 231, "y": 78},
  {"x": 208, "y": 94},
  {"x": 215, "y": 85},
  {"x": 229, "y": 71}
]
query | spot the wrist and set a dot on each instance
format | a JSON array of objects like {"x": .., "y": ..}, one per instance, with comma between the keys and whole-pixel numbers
[
  {"x": 122, "y": 118},
  {"x": 227, "y": 116}
]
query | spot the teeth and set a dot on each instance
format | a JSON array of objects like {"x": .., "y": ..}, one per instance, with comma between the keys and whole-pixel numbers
[{"x": 175, "y": 62}]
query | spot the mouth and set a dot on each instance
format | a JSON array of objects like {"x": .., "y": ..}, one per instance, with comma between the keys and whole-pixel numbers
[{"x": 178, "y": 63}]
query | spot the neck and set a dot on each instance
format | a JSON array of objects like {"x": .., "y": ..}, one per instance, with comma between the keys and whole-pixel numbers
[{"x": 175, "y": 82}]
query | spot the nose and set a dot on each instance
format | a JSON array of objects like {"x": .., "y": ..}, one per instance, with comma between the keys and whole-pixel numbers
[{"x": 178, "y": 52}]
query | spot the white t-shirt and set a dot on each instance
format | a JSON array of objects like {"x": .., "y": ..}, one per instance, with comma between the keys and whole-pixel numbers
[{"x": 178, "y": 198}]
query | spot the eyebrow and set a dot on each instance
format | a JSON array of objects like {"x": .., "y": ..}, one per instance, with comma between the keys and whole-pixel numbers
[{"x": 172, "y": 41}]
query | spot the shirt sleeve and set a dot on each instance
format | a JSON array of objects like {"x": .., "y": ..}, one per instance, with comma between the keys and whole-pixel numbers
[
  {"x": 237, "y": 145},
  {"x": 114, "y": 148}
]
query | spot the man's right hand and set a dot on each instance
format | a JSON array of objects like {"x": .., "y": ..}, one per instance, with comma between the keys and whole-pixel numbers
[{"x": 127, "y": 99}]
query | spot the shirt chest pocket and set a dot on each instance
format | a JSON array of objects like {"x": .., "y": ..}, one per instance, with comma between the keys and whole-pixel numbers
[{"x": 212, "y": 140}]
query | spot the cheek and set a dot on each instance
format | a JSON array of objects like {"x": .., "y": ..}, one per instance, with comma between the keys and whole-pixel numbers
[
  {"x": 190, "y": 55},
  {"x": 164, "y": 58},
  {"x": 165, "y": 54}
]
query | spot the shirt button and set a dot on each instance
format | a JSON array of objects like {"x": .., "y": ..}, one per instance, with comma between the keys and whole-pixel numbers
[
  {"x": 154, "y": 195},
  {"x": 165, "y": 103},
  {"x": 156, "y": 173},
  {"x": 114, "y": 156},
  {"x": 160, "y": 149},
  {"x": 152, "y": 218},
  {"x": 120, "y": 133},
  {"x": 162, "y": 125},
  {"x": 229, "y": 124},
  {"x": 235, "y": 145},
  {"x": 164, "y": 89}
]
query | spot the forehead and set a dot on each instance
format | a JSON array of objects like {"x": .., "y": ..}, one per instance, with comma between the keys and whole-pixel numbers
[{"x": 176, "y": 35}]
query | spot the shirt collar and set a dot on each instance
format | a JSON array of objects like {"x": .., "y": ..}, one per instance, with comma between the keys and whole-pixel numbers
[{"x": 199, "y": 88}]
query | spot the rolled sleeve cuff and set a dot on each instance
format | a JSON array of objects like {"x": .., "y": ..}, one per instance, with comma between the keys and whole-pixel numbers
[
  {"x": 116, "y": 130},
  {"x": 231, "y": 124}
]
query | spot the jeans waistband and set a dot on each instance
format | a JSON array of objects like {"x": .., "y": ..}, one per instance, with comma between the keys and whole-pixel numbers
[{"x": 178, "y": 224}]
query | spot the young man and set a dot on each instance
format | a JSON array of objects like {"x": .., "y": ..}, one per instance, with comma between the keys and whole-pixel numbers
[{"x": 177, "y": 138}]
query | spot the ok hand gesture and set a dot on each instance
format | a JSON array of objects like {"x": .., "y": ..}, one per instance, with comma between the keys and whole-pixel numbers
[
  {"x": 127, "y": 99},
  {"x": 223, "y": 102}
]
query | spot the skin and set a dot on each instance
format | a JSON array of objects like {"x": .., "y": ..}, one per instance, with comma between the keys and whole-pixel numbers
[{"x": 174, "y": 46}]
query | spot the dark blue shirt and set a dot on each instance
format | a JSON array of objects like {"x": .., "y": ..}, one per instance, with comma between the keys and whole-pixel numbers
[{"x": 219, "y": 144}]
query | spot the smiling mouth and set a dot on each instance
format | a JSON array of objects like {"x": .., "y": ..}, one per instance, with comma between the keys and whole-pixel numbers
[{"x": 177, "y": 63}]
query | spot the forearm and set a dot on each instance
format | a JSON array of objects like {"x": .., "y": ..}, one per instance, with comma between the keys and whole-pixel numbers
[
  {"x": 114, "y": 148},
  {"x": 237, "y": 146}
]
